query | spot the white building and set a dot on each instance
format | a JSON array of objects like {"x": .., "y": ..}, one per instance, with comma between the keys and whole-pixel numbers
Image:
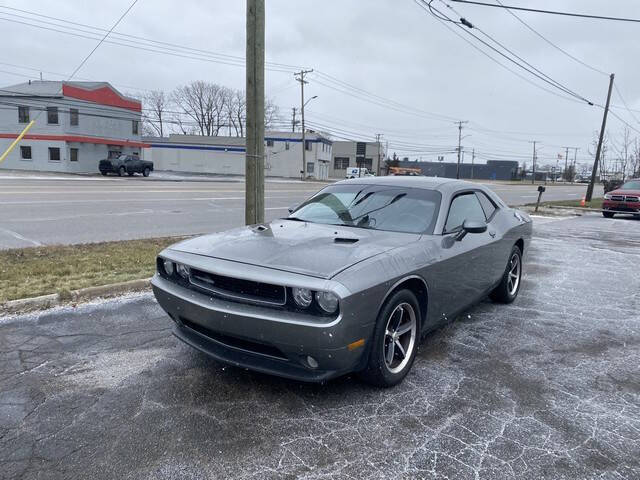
[
  {"x": 77, "y": 124},
  {"x": 226, "y": 155},
  {"x": 344, "y": 155}
]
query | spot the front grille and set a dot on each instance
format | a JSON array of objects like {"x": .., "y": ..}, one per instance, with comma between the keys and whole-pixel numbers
[
  {"x": 239, "y": 289},
  {"x": 631, "y": 199},
  {"x": 235, "y": 342},
  {"x": 617, "y": 198}
]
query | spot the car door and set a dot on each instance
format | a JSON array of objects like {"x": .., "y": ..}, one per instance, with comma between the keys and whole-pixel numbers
[
  {"x": 496, "y": 248},
  {"x": 463, "y": 275}
]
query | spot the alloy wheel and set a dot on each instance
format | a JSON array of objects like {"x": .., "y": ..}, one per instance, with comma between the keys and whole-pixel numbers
[
  {"x": 399, "y": 337},
  {"x": 513, "y": 282}
]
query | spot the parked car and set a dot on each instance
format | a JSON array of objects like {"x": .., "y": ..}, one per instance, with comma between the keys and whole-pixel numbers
[
  {"x": 354, "y": 172},
  {"x": 125, "y": 164},
  {"x": 350, "y": 281},
  {"x": 625, "y": 199}
]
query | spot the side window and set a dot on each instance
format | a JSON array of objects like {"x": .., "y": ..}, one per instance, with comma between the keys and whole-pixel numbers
[
  {"x": 487, "y": 204},
  {"x": 464, "y": 207}
]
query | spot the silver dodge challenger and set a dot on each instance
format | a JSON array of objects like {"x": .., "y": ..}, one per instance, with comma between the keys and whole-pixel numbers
[{"x": 350, "y": 281}]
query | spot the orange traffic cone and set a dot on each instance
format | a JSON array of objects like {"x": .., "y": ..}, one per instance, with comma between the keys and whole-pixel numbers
[{"x": 582, "y": 202}]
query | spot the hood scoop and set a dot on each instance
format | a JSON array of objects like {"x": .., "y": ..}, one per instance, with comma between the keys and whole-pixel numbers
[{"x": 345, "y": 240}]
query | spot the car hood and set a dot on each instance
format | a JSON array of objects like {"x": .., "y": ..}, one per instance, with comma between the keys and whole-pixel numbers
[
  {"x": 300, "y": 247},
  {"x": 624, "y": 192}
]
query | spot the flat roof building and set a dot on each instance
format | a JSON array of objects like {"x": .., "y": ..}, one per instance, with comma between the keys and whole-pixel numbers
[{"x": 77, "y": 124}]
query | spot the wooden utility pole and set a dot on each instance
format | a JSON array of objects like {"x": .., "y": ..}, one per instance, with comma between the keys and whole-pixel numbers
[
  {"x": 459, "y": 148},
  {"x": 378, "y": 135},
  {"x": 254, "y": 161},
  {"x": 566, "y": 159},
  {"x": 473, "y": 158},
  {"x": 300, "y": 78},
  {"x": 293, "y": 120},
  {"x": 533, "y": 173},
  {"x": 587, "y": 197}
]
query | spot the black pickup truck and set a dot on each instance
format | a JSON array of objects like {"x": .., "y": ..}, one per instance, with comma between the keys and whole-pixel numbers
[{"x": 128, "y": 164}]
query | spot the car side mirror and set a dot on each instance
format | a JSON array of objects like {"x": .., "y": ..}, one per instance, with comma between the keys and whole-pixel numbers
[
  {"x": 471, "y": 227},
  {"x": 292, "y": 208}
]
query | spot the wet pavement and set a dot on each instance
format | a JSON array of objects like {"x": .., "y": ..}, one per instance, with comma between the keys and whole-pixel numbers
[{"x": 548, "y": 387}]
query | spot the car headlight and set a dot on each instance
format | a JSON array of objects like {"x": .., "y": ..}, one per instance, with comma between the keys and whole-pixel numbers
[
  {"x": 168, "y": 267},
  {"x": 302, "y": 296},
  {"x": 182, "y": 270},
  {"x": 328, "y": 301},
  {"x": 607, "y": 196}
]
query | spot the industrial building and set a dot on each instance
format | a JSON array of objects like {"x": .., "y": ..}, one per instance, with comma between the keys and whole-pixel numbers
[
  {"x": 77, "y": 124},
  {"x": 492, "y": 170},
  {"x": 226, "y": 155},
  {"x": 369, "y": 155}
]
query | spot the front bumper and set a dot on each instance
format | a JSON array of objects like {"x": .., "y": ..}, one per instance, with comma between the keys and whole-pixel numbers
[
  {"x": 262, "y": 338},
  {"x": 623, "y": 207}
]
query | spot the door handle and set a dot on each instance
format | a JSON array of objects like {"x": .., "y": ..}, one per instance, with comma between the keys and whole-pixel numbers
[{"x": 492, "y": 233}]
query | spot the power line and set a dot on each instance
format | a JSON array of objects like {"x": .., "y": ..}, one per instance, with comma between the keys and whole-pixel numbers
[
  {"x": 625, "y": 103},
  {"x": 552, "y": 12},
  {"x": 591, "y": 67},
  {"x": 545, "y": 78}
]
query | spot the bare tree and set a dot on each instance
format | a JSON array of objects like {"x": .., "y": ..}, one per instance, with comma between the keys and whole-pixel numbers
[
  {"x": 635, "y": 159},
  {"x": 202, "y": 102},
  {"x": 624, "y": 151},
  {"x": 154, "y": 117},
  {"x": 603, "y": 152},
  {"x": 271, "y": 113}
]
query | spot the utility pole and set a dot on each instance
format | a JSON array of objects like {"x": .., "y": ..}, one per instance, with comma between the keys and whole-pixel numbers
[
  {"x": 566, "y": 158},
  {"x": 533, "y": 175},
  {"x": 293, "y": 120},
  {"x": 300, "y": 78},
  {"x": 587, "y": 197},
  {"x": 459, "y": 147},
  {"x": 473, "y": 158},
  {"x": 575, "y": 157},
  {"x": 254, "y": 162},
  {"x": 378, "y": 135}
]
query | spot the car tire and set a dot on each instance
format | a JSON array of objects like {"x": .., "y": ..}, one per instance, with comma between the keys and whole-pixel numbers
[
  {"x": 146, "y": 172},
  {"x": 392, "y": 353},
  {"x": 130, "y": 174},
  {"x": 121, "y": 172},
  {"x": 608, "y": 214},
  {"x": 507, "y": 290},
  {"x": 104, "y": 174}
]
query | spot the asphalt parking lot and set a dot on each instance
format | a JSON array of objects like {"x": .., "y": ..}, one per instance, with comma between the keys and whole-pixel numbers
[{"x": 548, "y": 387}]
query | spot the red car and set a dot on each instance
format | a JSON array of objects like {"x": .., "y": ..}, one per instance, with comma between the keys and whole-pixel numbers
[{"x": 625, "y": 199}]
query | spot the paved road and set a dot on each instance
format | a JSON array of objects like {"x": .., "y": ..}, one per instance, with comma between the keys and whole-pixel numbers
[
  {"x": 53, "y": 210},
  {"x": 545, "y": 388}
]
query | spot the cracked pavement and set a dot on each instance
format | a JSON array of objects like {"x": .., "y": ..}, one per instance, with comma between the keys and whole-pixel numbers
[{"x": 548, "y": 387}]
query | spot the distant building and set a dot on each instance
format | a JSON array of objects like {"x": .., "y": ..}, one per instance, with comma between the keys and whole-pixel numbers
[
  {"x": 77, "y": 125},
  {"x": 226, "y": 155},
  {"x": 344, "y": 156},
  {"x": 492, "y": 170}
]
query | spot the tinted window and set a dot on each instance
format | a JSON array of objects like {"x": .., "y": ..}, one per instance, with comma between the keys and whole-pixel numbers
[
  {"x": 52, "y": 115},
  {"x": 54, "y": 154},
  {"x": 464, "y": 207},
  {"x": 74, "y": 116},
  {"x": 23, "y": 114},
  {"x": 376, "y": 207},
  {"x": 487, "y": 204},
  {"x": 632, "y": 185},
  {"x": 25, "y": 152}
]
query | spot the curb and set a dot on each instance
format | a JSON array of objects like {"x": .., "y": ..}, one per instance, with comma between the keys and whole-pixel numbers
[{"x": 44, "y": 302}]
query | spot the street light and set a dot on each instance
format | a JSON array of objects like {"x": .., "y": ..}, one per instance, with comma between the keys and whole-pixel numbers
[{"x": 304, "y": 142}]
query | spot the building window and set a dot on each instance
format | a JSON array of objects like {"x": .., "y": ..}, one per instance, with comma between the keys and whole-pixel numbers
[
  {"x": 270, "y": 143},
  {"x": 341, "y": 163},
  {"x": 52, "y": 115},
  {"x": 54, "y": 154},
  {"x": 134, "y": 127},
  {"x": 368, "y": 163},
  {"x": 310, "y": 167},
  {"x": 74, "y": 116},
  {"x": 23, "y": 114},
  {"x": 307, "y": 145},
  {"x": 73, "y": 154},
  {"x": 25, "y": 152},
  {"x": 286, "y": 145}
]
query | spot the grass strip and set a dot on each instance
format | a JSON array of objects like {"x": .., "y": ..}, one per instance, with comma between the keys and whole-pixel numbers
[
  {"x": 595, "y": 203},
  {"x": 34, "y": 271}
]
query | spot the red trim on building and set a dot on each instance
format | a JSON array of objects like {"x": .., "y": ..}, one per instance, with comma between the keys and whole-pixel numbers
[
  {"x": 102, "y": 95},
  {"x": 78, "y": 139}
]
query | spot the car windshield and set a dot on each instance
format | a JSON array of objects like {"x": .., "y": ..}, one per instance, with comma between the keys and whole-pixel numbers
[
  {"x": 377, "y": 207},
  {"x": 632, "y": 185},
  {"x": 122, "y": 157}
]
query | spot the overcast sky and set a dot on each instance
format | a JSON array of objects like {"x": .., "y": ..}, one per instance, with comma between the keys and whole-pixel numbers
[{"x": 392, "y": 49}]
